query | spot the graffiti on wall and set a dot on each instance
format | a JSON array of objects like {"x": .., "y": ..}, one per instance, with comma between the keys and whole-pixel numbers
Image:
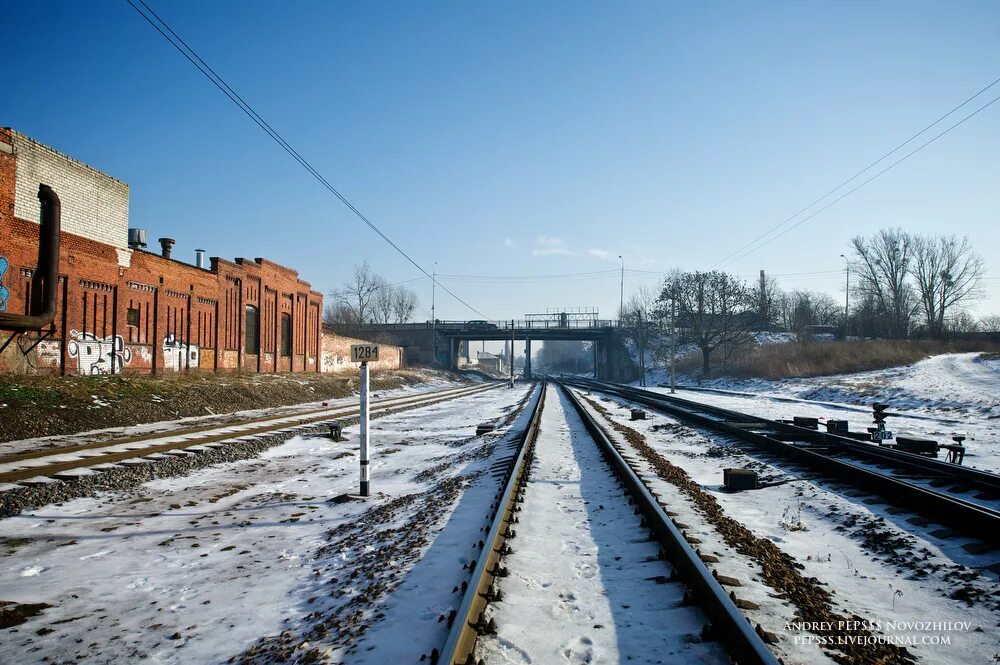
[
  {"x": 3, "y": 289},
  {"x": 177, "y": 354},
  {"x": 97, "y": 356}
]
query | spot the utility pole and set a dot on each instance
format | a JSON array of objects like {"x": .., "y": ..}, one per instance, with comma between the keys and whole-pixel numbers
[
  {"x": 642, "y": 348},
  {"x": 512, "y": 353},
  {"x": 621, "y": 292},
  {"x": 673, "y": 340},
  {"x": 434, "y": 337},
  {"x": 847, "y": 294},
  {"x": 763, "y": 299}
]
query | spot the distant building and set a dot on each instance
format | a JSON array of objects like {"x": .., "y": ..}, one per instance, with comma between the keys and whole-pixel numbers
[
  {"x": 820, "y": 332},
  {"x": 489, "y": 362},
  {"x": 121, "y": 308}
]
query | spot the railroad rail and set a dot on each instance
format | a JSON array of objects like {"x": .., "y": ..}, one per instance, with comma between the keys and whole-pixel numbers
[
  {"x": 728, "y": 624},
  {"x": 919, "y": 484},
  {"x": 50, "y": 462}
]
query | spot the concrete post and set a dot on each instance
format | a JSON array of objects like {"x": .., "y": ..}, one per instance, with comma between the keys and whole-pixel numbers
[{"x": 527, "y": 358}]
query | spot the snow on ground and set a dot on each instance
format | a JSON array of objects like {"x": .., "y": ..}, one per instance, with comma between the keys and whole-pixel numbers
[
  {"x": 879, "y": 566},
  {"x": 769, "y": 337},
  {"x": 945, "y": 395},
  {"x": 433, "y": 382},
  {"x": 199, "y": 568},
  {"x": 582, "y": 583}
]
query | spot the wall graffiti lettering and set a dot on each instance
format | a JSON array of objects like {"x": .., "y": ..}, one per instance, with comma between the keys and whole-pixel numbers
[
  {"x": 4, "y": 264},
  {"x": 97, "y": 356},
  {"x": 176, "y": 352}
]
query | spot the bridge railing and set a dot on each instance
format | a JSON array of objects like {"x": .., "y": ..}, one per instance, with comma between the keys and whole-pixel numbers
[{"x": 473, "y": 326}]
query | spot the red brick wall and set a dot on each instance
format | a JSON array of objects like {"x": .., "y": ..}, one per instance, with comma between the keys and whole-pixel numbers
[{"x": 182, "y": 317}]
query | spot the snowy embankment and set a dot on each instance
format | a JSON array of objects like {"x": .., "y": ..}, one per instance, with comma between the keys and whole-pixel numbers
[
  {"x": 431, "y": 383},
  {"x": 917, "y": 586},
  {"x": 937, "y": 398},
  {"x": 253, "y": 559}
]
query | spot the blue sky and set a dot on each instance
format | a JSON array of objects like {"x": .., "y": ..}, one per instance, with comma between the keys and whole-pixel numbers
[{"x": 523, "y": 138}]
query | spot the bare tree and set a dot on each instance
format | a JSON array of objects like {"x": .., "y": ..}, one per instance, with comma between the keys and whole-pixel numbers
[
  {"x": 638, "y": 320},
  {"x": 802, "y": 309},
  {"x": 990, "y": 324},
  {"x": 714, "y": 309},
  {"x": 404, "y": 304},
  {"x": 337, "y": 313},
  {"x": 356, "y": 295},
  {"x": 947, "y": 273},
  {"x": 882, "y": 266},
  {"x": 769, "y": 300},
  {"x": 381, "y": 303}
]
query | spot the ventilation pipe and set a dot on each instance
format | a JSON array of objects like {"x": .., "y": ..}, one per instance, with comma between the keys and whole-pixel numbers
[
  {"x": 46, "y": 278},
  {"x": 137, "y": 238},
  {"x": 199, "y": 258},
  {"x": 166, "y": 244}
]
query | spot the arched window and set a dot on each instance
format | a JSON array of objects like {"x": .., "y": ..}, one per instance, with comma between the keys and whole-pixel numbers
[{"x": 252, "y": 329}]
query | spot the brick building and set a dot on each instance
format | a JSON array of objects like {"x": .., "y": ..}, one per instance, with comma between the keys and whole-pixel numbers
[{"x": 120, "y": 308}]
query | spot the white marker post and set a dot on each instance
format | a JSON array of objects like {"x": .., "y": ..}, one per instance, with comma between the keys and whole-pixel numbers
[{"x": 362, "y": 353}]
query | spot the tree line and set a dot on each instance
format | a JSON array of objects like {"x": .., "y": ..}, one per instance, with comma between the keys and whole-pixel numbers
[
  {"x": 902, "y": 285},
  {"x": 368, "y": 297}
]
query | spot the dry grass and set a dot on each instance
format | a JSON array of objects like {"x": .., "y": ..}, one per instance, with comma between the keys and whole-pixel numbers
[
  {"x": 42, "y": 405},
  {"x": 794, "y": 359}
]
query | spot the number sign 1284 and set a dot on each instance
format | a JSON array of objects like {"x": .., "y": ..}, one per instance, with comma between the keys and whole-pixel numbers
[{"x": 361, "y": 353}]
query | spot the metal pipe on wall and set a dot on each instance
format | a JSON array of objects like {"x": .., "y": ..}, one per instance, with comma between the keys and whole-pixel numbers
[{"x": 48, "y": 267}]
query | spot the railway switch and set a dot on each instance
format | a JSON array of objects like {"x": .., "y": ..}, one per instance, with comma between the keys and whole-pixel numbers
[
  {"x": 808, "y": 423},
  {"x": 925, "y": 447},
  {"x": 837, "y": 427},
  {"x": 956, "y": 451}
]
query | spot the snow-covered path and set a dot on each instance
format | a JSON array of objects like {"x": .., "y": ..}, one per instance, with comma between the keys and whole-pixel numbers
[
  {"x": 960, "y": 378},
  {"x": 585, "y": 585}
]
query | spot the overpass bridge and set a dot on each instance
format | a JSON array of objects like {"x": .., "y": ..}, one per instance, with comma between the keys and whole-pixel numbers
[{"x": 447, "y": 343}]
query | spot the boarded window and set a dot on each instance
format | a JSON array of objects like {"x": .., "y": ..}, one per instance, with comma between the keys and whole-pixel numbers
[
  {"x": 252, "y": 330},
  {"x": 132, "y": 317},
  {"x": 286, "y": 335}
]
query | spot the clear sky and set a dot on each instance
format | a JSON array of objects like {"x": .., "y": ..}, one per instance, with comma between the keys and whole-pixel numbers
[{"x": 523, "y": 138}]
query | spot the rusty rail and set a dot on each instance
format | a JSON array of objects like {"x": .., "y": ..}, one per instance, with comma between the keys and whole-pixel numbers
[{"x": 469, "y": 620}]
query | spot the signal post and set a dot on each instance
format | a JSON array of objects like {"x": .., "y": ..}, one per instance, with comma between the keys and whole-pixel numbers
[{"x": 362, "y": 353}]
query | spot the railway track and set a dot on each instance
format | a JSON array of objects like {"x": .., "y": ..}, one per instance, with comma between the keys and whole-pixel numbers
[
  {"x": 45, "y": 465},
  {"x": 958, "y": 497},
  {"x": 529, "y": 506}
]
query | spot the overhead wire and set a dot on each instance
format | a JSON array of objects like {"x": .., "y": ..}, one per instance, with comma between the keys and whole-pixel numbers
[
  {"x": 862, "y": 184},
  {"x": 733, "y": 255},
  {"x": 220, "y": 83}
]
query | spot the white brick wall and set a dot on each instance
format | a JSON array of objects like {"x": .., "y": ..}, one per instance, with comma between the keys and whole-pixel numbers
[{"x": 94, "y": 205}]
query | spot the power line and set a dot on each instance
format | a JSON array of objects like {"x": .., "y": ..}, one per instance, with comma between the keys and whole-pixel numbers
[
  {"x": 184, "y": 49},
  {"x": 725, "y": 260},
  {"x": 856, "y": 188},
  {"x": 606, "y": 274}
]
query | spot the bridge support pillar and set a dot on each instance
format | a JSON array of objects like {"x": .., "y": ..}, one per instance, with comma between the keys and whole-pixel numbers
[
  {"x": 453, "y": 354},
  {"x": 527, "y": 358}
]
